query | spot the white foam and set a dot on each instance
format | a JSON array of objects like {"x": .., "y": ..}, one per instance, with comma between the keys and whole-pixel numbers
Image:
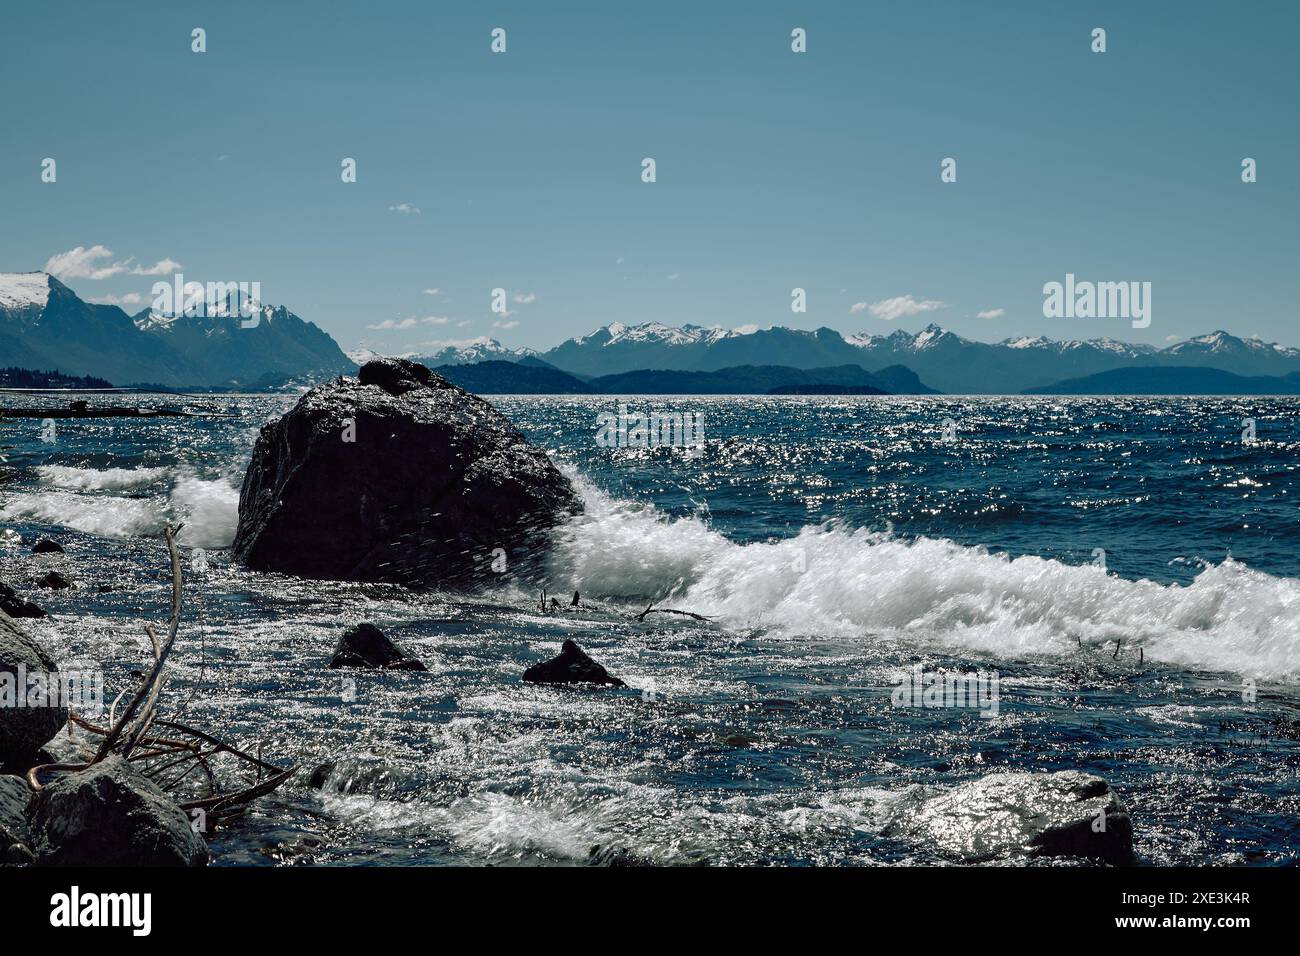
[
  {"x": 94, "y": 479},
  {"x": 858, "y": 584},
  {"x": 105, "y": 515},
  {"x": 208, "y": 508}
]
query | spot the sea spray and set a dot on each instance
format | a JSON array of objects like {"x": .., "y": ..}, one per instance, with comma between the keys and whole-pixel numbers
[{"x": 831, "y": 580}]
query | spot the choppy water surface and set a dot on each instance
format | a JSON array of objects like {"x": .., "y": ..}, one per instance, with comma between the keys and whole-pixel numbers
[{"x": 834, "y": 542}]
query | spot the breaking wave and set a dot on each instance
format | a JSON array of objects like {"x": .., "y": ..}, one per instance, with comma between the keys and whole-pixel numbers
[
  {"x": 96, "y": 479},
  {"x": 93, "y": 501},
  {"x": 840, "y": 582}
]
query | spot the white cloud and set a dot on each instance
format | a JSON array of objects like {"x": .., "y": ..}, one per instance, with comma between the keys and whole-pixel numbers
[
  {"x": 991, "y": 314},
  {"x": 130, "y": 299},
  {"x": 410, "y": 322},
  {"x": 524, "y": 298},
  {"x": 674, "y": 276},
  {"x": 163, "y": 267},
  {"x": 431, "y": 291},
  {"x": 505, "y": 325},
  {"x": 897, "y": 307},
  {"x": 405, "y": 208},
  {"x": 83, "y": 263},
  {"x": 96, "y": 263}
]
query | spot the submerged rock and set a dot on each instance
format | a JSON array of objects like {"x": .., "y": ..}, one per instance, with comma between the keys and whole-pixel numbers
[
  {"x": 366, "y": 646},
  {"x": 397, "y": 476},
  {"x": 573, "y": 666},
  {"x": 367, "y": 776},
  {"x": 46, "y": 546},
  {"x": 110, "y": 815},
  {"x": 15, "y": 605},
  {"x": 1068, "y": 813},
  {"x": 23, "y": 729},
  {"x": 54, "y": 580}
]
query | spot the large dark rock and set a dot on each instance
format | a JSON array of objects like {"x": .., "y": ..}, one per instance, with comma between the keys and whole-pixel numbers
[
  {"x": 15, "y": 605},
  {"x": 54, "y": 580},
  {"x": 1068, "y": 813},
  {"x": 573, "y": 666},
  {"x": 46, "y": 546},
  {"x": 110, "y": 815},
  {"x": 366, "y": 646},
  {"x": 435, "y": 480},
  {"x": 24, "y": 729}
]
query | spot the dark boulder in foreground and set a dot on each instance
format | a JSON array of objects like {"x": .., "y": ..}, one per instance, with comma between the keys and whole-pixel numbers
[
  {"x": 1068, "y": 813},
  {"x": 15, "y": 605},
  {"x": 46, "y": 546},
  {"x": 23, "y": 730},
  {"x": 366, "y": 646},
  {"x": 396, "y": 476},
  {"x": 109, "y": 815},
  {"x": 15, "y": 837},
  {"x": 573, "y": 666}
]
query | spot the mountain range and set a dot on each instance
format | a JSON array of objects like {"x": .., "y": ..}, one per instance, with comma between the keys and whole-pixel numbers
[
  {"x": 531, "y": 376},
  {"x": 44, "y": 324},
  {"x": 941, "y": 359},
  {"x": 1174, "y": 380}
]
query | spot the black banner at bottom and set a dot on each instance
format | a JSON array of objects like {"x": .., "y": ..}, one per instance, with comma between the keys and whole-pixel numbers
[{"x": 329, "y": 905}]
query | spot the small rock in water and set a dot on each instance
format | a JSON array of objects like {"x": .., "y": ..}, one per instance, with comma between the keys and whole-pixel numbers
[
  {"x": 364, "y": 775},
  {"x": 1068, "y": 813},
  {"x": 573, "y": 666},
  {"x": 46, "y": 546},
  {"x": 366, "y": 646},
  {"x": 54, "y": 580},
  {"x": 15, "y": 605},
  {"x": 110, "y": 815}
]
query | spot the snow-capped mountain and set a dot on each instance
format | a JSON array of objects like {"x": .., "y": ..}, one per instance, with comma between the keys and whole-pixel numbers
[
  {"x": 262, "y": 346},
  {"x": 44, "y": 324},
  {"x": 941, "y": 358},
  {"x": 481, "y": 349}
]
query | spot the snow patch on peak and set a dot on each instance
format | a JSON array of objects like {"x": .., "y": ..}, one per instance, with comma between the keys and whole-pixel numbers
[
  {"x": 1027, "y": 342},
  {"x": 928, "y": 336},
  {"x": 20, "y": 290}
]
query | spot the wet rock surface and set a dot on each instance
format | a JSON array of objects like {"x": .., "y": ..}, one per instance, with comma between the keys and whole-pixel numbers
[
  {"x": 15, "y": 836},
  {"x": 573, "y": 666},
  {"x": 109, "y": 815},
  {"x": 396, "y": 476},
  {"x": 367, "y": 646},
  {"x": 24, "y": 729},
  {"x": 15, "y": 605},
  {"x": 1067, "y": 813}
]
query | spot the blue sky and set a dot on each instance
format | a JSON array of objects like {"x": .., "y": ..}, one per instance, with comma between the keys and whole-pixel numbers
[{"x": 775, "y": 169}]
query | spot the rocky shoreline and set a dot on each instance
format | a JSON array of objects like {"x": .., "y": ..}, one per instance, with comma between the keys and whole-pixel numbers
[{"x": 401, "y": 477}]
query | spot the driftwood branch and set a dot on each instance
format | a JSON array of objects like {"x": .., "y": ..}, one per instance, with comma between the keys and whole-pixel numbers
[
  {"x": 651, "y": 609},
  {"x": 186, "y": 749},
  {"x": 147, "y": 696}
]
